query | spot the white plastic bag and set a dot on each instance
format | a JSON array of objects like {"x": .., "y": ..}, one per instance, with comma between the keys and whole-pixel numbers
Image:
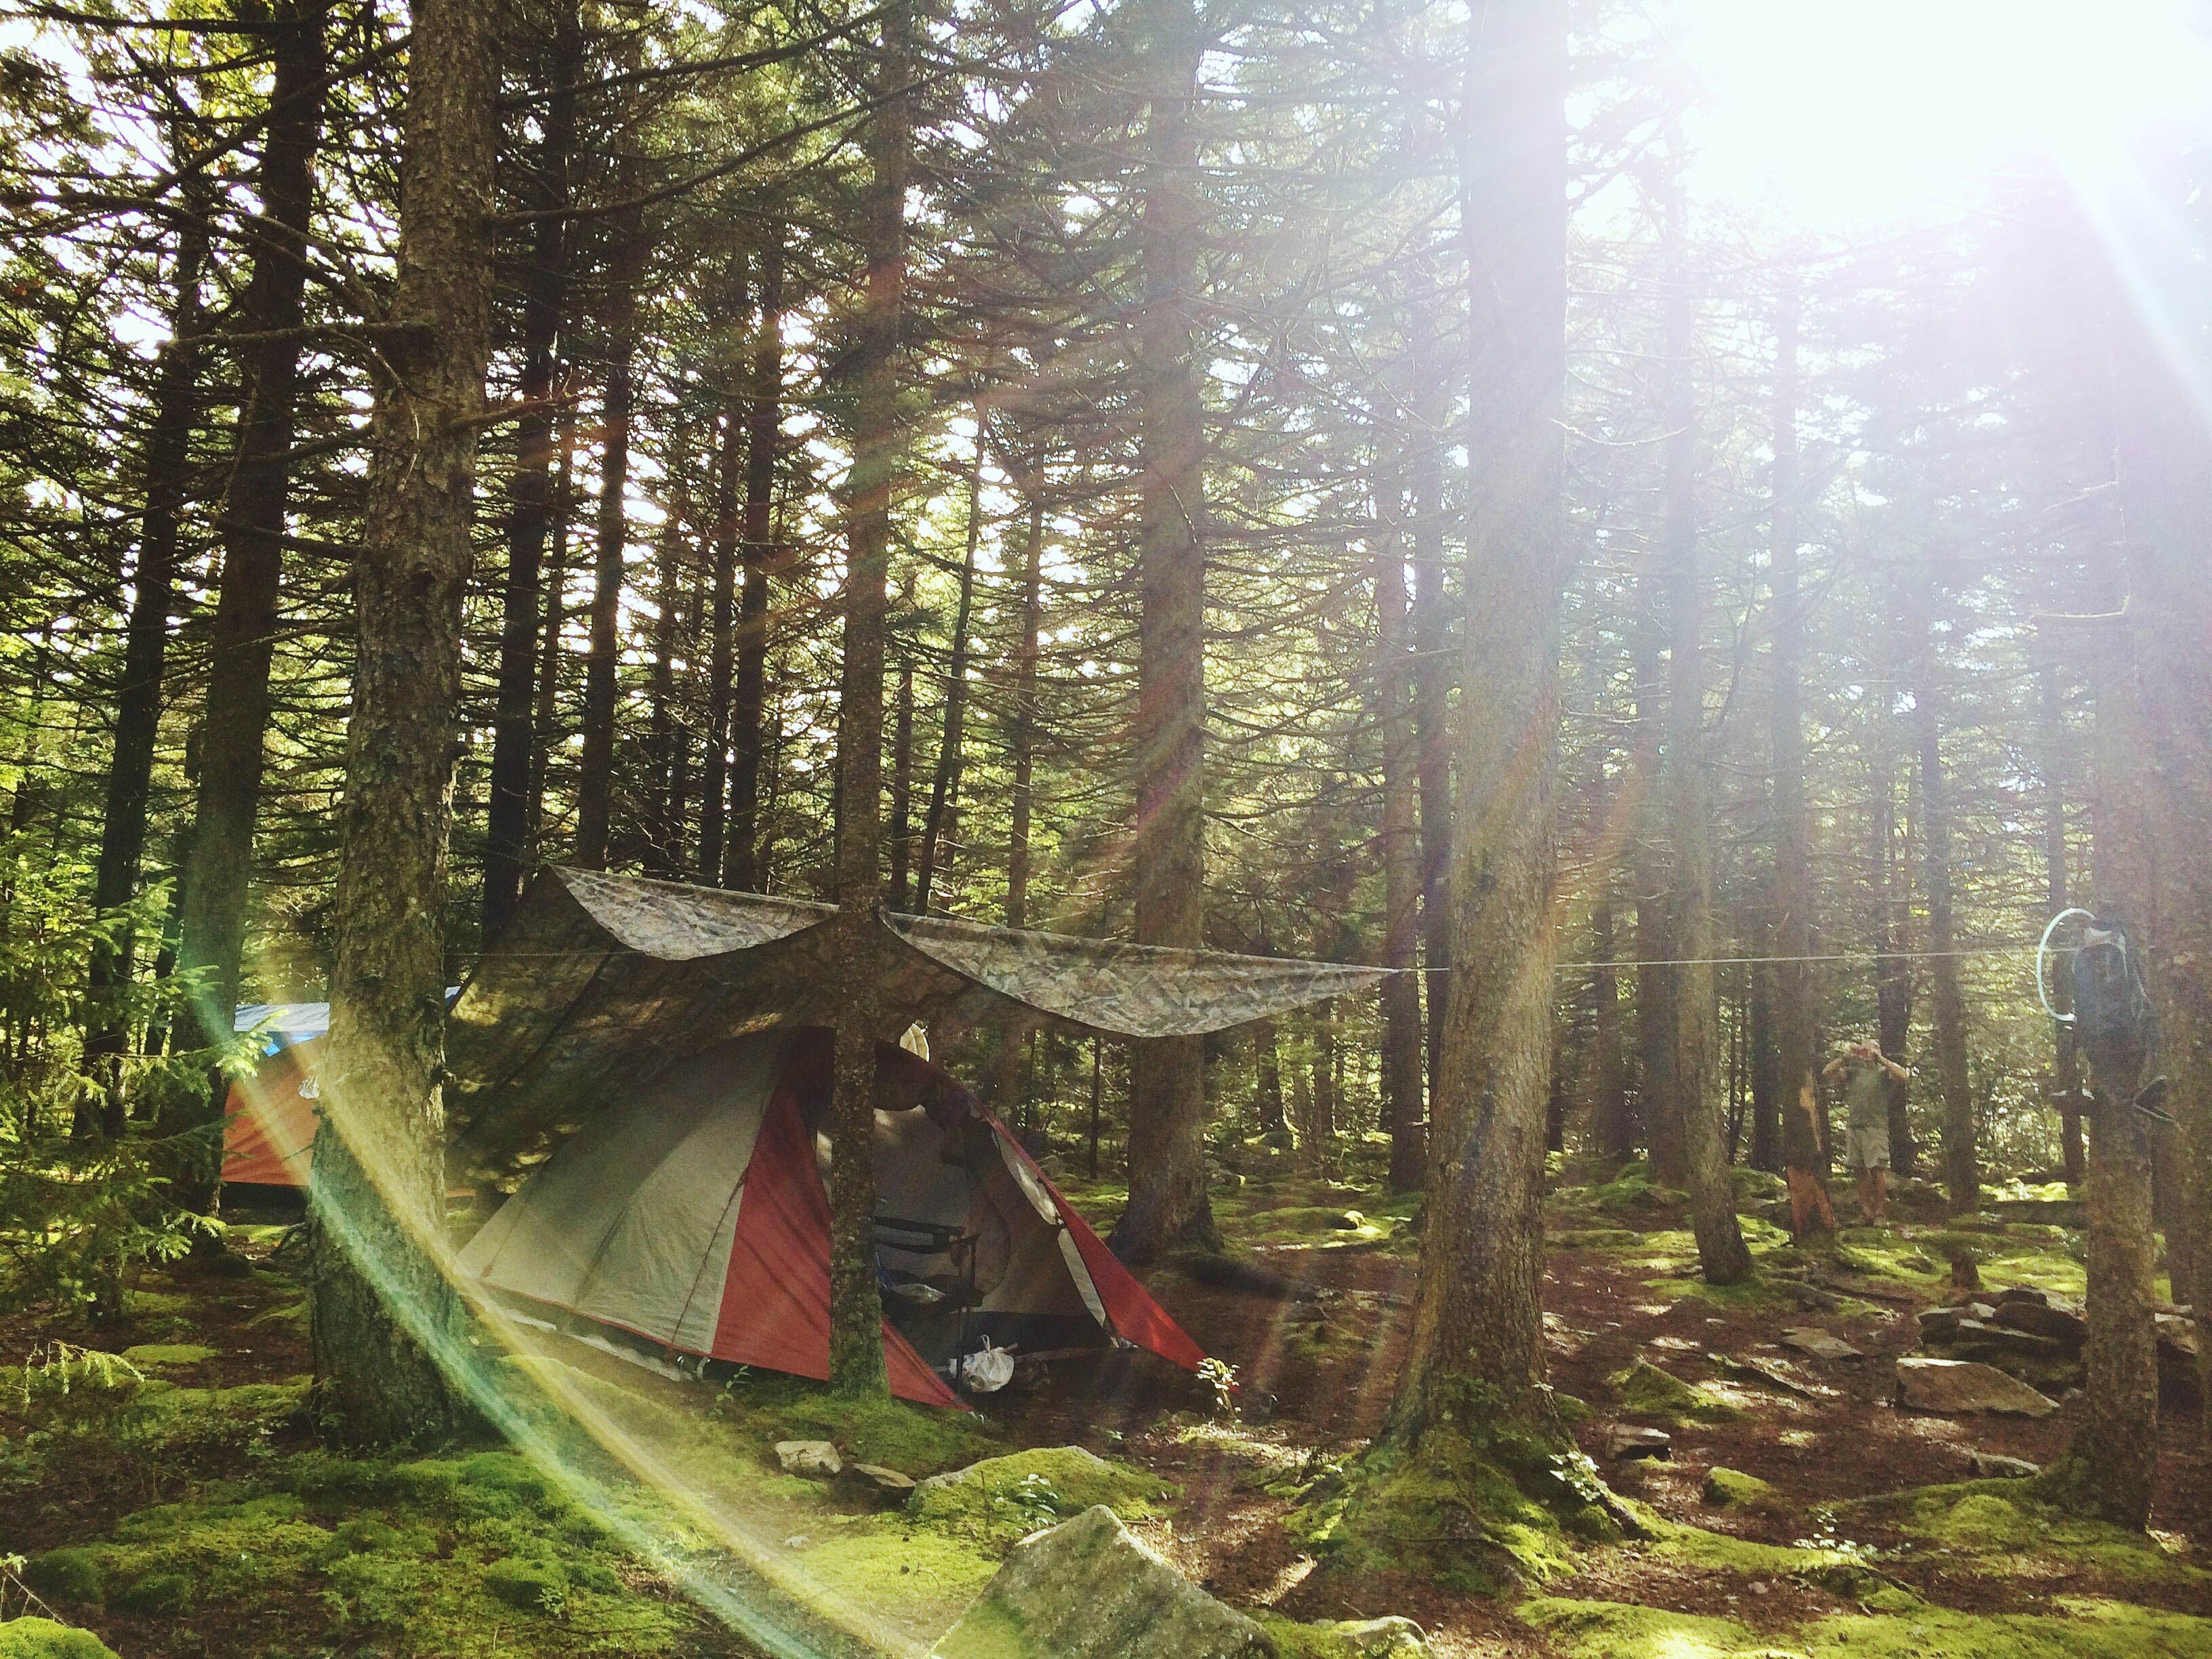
[{"x": 988, "y": 1369}]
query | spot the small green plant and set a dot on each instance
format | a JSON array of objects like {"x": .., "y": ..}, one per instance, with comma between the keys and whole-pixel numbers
[{"x": 1219, "y": 1377}]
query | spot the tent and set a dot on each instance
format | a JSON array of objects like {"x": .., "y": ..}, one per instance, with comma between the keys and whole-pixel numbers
[
  {"x": 644, "y": 1063},
  {"x": 691, "y": 1213},
  {"x": 269, "y": 1113}
]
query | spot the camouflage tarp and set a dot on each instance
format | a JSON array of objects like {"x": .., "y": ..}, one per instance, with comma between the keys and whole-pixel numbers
[{"x": 600, "y": 980}]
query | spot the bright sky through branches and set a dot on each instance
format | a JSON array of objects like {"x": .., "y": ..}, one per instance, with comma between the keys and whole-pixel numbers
[{"x": 1841, "y": 113}]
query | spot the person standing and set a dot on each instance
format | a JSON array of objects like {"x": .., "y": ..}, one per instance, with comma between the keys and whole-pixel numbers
[{"x": 1866, "y": 1123}]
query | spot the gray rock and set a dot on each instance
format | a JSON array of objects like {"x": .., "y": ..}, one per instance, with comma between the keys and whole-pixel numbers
[
  {"x": 1089, "y": 1588},
  {"x": 1810, "y": 1339},
  {"x": 1624, "y": 1443},
  {"x": 811, "y": 1459},
  {"x": 1950, "y": 1386},
  {"x": 2045, "y": 1319},
  {"x": 1995, "y": 1466},
  {"x": 874, "y": 1481}
]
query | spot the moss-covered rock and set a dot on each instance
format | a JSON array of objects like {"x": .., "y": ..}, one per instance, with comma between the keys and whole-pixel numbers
[
  {"x": 1344, "y": 1639},
  {"x": 2086, "y": 1630},
  {"x": 1732, "y": 1489},
  {"x": 1648, "y": 1391},
  {"x": 154, "y": 1355},
  {"x": 1003, "y": 1499},
  {"x": 42, "y": 1639}
]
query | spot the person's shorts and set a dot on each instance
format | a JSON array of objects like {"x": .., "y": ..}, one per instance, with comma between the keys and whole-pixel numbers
[{"x": 1867, "y": 1148}]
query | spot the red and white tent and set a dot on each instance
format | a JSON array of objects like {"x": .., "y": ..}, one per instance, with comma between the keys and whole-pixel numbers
[
  {"x": 692, "y": 1212},
  {"x": 269, "y": 1125}
]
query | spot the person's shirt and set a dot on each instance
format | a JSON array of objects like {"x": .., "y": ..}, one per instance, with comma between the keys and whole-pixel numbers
[{"x": 1864, "y": 1098}]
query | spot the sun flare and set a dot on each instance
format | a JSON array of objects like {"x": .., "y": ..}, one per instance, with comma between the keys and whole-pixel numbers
[{"x": 1834, "y": 114}]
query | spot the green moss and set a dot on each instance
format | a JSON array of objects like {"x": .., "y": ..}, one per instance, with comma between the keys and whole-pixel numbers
[
  {"x": 1479, "y": 1503},
  {"x": 1732, "y": 1489},
  {"x": 42, "y": 1639},
  {"x": 76, "y": 1574},
  {"x": 927, "y": 1575},
  {"x": 1596, "y": 1239},
  {"x": 2086, "y": 1629},
  {"x": 1646, "y": 1390},
  {"x": 2006, "y": 1521},
  {"x": 538, "y": 1586},
  {"x": 1003, "y": 1499},
  {"x": 1343, "y": 1639},
  {"x": 168, "y": 1353}
]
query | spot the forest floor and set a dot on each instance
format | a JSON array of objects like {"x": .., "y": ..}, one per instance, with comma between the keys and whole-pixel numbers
[{"x": 177, "y": 1499}]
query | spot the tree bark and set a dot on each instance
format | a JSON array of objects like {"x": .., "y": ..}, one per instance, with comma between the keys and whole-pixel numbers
[
  {"x": 1892, "y": 901},
  {"x": 530, "y": 492},
  {"x": 242, "y": 640},
  {"x": 1432, "y": 678},
  {"x": 1791, "y": 985},
  {"x": 602, "y": 665},
  {"x": 1648, "y": 870},
  {"x": 1022, "y": 750},
  {"x": 944, "y": 784},
  {"x": 1168, "y": 1205},
  {"x": 1961, "y": 1174},
  {"x": 663, "y": 851},
  {"x": 1478, "y": 1307},
  {"x": 546, "y": 726},
  {"x": 382, "y": 1308},
  {"x": 2112, "y": 1465},
  {"x": 2066, "y": 1073},
  {"x": 744, "y": 867},
  {"x": 167, "y": 467},
  {"x": 1320, "y": 1140},
  {"x": 1766, "y": 1101},
  {"x": 1722, "y": 1254},
  {"x": 879, "y": 449},
  {"x": 1401, "y": 850},
  {"x": 901, "y": 834},
  {"x": 722, "y": 604}
]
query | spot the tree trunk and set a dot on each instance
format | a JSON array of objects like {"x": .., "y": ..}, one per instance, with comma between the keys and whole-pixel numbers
[
  {"x": 2112, "y": 1465},
  {"x": 1792, "y": 985},
  {"x": 1893, "y": 900},
  {"x": 1722, "y": 1254},
  {"x": 242, "y": 641},
  {"x": 743, "y": 866},
  {"x": 1432, "y": 678},
  {"x": 1168, "y": 1205},
  {"x": 722, "y": 603},
  {"x": 602, "y": 665},
  {"x": 856, "y": 1345},
  {"x": 547, "y": 722},
  {"x": 1021, "y": 747},
  {"x": 944, "y": 784},
  {"x": 1268, "y": 1078},
  {"x": 2066, "y": 1074},
  {"x": 901, "y": 895},
  {"x": 166, "y": 468},
  {"x": 381, "y": 1309},
  {"x": 1961, "y": 1166},
  {"x": 1478, "y": 1307},
  {"x": 1320, "y": 1145},
  {"x": 1655, "y": 944},
  {"x": 1763, "y": 1065},
  {"x": 1401, "y": 857},
  {"x": 530, "y": 491},
  {"x": 664, "y": 854}
]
